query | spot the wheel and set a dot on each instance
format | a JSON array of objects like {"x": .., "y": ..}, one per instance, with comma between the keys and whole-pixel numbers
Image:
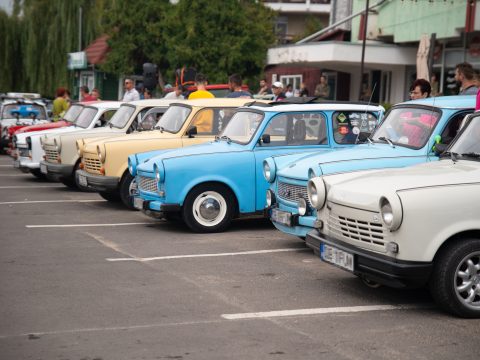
[
  {"x": 71, "y": 181},
  {"x": 128, "y": 188},
  {"x": 370, "y": 283},
  {"x": 110, "y": 196},
  {"x": 455, "y": 282},
  {"x": 209, "y": 208},
  {"x": 173, "y": 217}
]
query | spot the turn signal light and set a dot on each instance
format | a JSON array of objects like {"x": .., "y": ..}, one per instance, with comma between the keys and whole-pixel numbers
[
  {"x": 81, "y": 166},
  {"x": 59, "y": 160},
  {"x": 102, "y": 171}
]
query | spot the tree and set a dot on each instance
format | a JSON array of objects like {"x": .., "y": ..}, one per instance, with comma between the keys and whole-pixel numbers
[{"x": 219, "y": 38}]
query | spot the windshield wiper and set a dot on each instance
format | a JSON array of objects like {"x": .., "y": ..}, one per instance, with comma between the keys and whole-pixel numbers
[
  {"x": 387, "y": 140},
  {"x": 226, "y": 138},
  {"x": 453, "y": 155},
  {"x": 471, "y": 154},
  {"x": 111, "y": 125}
]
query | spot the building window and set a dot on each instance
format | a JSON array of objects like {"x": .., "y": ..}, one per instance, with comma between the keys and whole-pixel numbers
[{"x": 294, "y": 80}]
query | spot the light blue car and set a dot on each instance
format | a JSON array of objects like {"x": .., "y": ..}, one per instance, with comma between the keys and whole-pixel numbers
[
  {"x": 407, "y": 135},
  {"x": 210, "y": 184}
]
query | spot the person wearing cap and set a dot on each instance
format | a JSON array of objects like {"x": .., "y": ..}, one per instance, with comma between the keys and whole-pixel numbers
[{"x": 277, "y": 89}]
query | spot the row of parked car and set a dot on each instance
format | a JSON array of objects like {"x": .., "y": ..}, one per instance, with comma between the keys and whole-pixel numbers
[{"x": 365, "y": 190}]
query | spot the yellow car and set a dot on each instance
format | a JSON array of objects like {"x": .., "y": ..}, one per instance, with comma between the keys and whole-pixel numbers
[{"x": 104, "y": 166}]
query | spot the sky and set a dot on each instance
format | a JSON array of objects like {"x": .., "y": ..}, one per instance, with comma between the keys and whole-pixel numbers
[{"x": 6, "y": 5}]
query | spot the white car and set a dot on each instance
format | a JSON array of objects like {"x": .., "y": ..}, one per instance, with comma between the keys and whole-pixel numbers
[
  {"x": 29, "y": 148},
  {"x": 408, "y": 227}
]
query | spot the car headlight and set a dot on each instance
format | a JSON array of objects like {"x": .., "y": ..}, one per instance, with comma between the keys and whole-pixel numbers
[
  {"x": 80, "y": 145},
  {"x": 159, "y": 173},
  {"x": 57, "y": 145},
  {"x": 101, "y": 153},
  {"x": 391, "y": 212},
  {"x": 270, "y": 198},
  {"x": 269, "y": 169},
  {"x": 317, "y": 192},
  {"x": 132, "y": 167},
  {"x": 302, "y": 206}
]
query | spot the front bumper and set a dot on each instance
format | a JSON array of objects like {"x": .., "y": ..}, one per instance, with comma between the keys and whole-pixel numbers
[
  {"x": 26, "y": 164},
  {"x": 56, "y": 170},
  {"x": 377, "y": 267},
  {"x": 97, "y": 182},
  {"x": 154, "y": 208},
  {"x": 296, "y": 225}
]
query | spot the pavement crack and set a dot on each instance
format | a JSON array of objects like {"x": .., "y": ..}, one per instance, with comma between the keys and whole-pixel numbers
[{"x": 111, "y": 245}]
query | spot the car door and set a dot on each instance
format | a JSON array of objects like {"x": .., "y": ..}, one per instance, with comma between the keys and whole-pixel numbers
[{"x": 288, "y": 133}]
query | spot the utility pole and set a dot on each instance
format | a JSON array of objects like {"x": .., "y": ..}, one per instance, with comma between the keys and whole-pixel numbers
[{"x": 365, "y": 23}]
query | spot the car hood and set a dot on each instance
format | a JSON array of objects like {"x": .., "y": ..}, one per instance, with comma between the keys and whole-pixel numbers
[
  {"x": 79, "y": 132},
  {"x": 367, "y": 187},
  {"x": 140, "y": 136},
  {"x": 39, "y": 127},
  {"x": 354, "y": 158},
  {"x": 206, "y": 148}
]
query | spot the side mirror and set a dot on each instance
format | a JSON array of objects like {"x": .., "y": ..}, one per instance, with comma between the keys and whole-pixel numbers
[
  {"x": 191, "y": 131},
  {"x": 266, "y": 138},
  {"x": 439, "y": 148},
  {"x": 98, "y": 123},
  {"x": 363, "y": 136}
]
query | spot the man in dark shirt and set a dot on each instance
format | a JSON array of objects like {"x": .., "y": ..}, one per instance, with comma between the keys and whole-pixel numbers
[{"x": 235, "y": 83}]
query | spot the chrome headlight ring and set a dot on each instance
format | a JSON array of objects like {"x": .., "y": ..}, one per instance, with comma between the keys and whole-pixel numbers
[
  {"x": 269, "y": 170},
  {"x": 101, "y": 153},
  {"x": 270, "y": 198},
  {"x": 317, "y": 192},
  {"x": 302, "y": 206},
  {"x": 57, "y": 145},
  {"x": 132, "y": 167},
  {"x": 391, "y": 212}
]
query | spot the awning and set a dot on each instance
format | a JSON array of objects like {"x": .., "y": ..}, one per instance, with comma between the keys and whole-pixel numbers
[
  {"x": 422, "y": 57},
  {"x": 97, "y": 51}
]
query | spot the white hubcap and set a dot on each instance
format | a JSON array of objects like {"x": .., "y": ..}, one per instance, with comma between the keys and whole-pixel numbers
[{"x": 209, "y": 208}]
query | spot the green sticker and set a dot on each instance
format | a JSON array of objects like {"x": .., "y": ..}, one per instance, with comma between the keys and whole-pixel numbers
[{"x": 341, "y": 117}]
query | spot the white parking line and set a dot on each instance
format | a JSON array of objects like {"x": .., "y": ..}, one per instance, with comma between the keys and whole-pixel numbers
[
  {"x": 253, "y": 252},
  {"x": 85, "y": 225},
  {"x": 14, "y": 175},
  {"x": 32, "y": 186},
  {"x": 50, "y": 201},
  {"x": 11, "y": 165},
  {"x": 320, "y": 311}
]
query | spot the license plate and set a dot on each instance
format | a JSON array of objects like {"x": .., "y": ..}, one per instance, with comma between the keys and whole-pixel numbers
[
  {"x": 43, "y": 168},
  {"x": 16, "y": 164},
  {"x": 281, "y": 217},
  {"x": 138, "y": 203},
  {"x": 336, "y": 257},
  {"x": 82, "y": 180}
]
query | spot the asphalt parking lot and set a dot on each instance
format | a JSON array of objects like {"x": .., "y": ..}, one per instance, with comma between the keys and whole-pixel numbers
[{"x": 83, "y": 279}]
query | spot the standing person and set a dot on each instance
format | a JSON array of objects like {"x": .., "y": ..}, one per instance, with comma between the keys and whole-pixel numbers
[
  {"x": 465, "y": 75},
  {"x": 264, "y": 89},
  {"x": 60, "y": 104},
  {"x": 420, "y": 89},
  {"x": 235, "y": 83},
  {"x": 84, "y": 94},
  {"x": 435, "y": 85},
  {"x": 201, "y": 92},
  {"x": 177, "y": 93},
  {"x": 96, "y": 94},
  {"x": 289, "y": 91},
  {"x": 322, "y": 90},
  {"x": 303, "y": 90},
  {"x": 131, "y": 94},
  {"x": 277, "y": 89},
  {"x": 147, "y": 94}
]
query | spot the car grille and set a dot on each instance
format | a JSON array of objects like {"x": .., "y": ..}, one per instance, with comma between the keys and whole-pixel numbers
[
  {"x": 92, "y": 163},
  {"x": 51, "y": 155},
  {"x": 292, "y": 192},
  {"x": 356, "y": 230},
  {"x": 146, "y": 184},
  {"x": 23, "y": 152}
]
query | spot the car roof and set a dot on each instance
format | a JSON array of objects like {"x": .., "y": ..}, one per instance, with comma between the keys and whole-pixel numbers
[
  {"x": 236, "y": 102},
  {"x": 103, "y": 104},
  {"x": 446, "y": 102},
  {"x": 324, "y": 106},
  {"x": 151, "y": 102}
]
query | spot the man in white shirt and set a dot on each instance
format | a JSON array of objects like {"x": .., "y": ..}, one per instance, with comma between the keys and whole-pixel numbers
[
  {"x": 177, "y": 93},
  {"x": 131, "y": 94}
]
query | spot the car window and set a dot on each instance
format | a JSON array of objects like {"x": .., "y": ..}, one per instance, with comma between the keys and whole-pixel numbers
[
  {"x": 212, "y": 121},
  {"x": 469, "y": 140},
  {"x": 151, "y": 118},
  {"x": 24, "y": 111},
  {"x": 297, "y": 129},
  {"x": 348, "y": 124},
  {"x": 408, "y": 126},
  {"x": 86, "y": 117},
  {"x": 72, "y": 113},
  {"x": 173, "y": 118},
  {"x": 453, "y": 126},
  {"x": 242, "y": 126},
  {"x": 121, "y": 116}
]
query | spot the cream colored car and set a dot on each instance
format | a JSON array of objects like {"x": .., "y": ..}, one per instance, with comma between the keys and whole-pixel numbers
[
  {"x": 408, "y": 227},
  {"x": 104, "y": 166},
  {"x": 61, "y": 154}
]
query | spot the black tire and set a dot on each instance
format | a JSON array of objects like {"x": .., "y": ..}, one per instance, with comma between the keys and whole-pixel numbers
[
  {"x": 38, "y": 174},
  {"x": 125, "y": 189},
  {"x": 110, "y": 196},
  {"x": 174, "y": 217},
  {"x": 455, "y": 265},
  {"x": 220, "y": 209},
  {"x": 71, "y": 181}
]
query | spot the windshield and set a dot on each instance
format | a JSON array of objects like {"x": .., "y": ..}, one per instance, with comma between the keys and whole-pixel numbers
[
  {"x": 173, "y": 119},
  {"x": 121, "y": 117},
  {"x": 242, "y": 126},
  {"x": 33, "y": 111},
  {"x": 467, "y": 144},
  {"x": 407, "y": 126},
  {"x": 72, "y": 113},
  {"x": 86, "y": 117}
]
